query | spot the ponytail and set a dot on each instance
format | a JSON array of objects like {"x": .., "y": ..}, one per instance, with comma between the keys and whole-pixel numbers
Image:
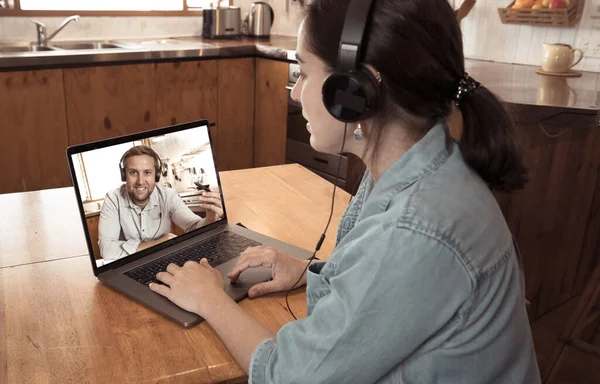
[{"x": 489, "y": 143}]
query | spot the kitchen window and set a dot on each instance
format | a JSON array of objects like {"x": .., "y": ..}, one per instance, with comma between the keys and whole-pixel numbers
[
  {"x": 105, "y": 7},
  {"x": 96, "y": 163}
]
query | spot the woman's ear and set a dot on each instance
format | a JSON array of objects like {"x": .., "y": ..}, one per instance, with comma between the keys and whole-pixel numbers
[
  {"x": 373, "y": 71},
  {"x": 455, "y": 123}
]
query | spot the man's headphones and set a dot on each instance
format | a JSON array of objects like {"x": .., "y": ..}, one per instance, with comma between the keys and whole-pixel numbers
[
  {"x": 351, "y": 93},
  {"x": 157, "y": 163}
]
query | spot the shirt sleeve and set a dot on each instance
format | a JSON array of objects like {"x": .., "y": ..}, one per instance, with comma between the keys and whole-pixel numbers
[
  {"x": 393, "y": 291},
  {"x": 109, "y": 230},
  {"x": 182, "y": 215}
]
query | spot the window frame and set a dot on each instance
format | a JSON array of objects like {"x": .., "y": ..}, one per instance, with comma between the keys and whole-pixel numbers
[{"x": 17, "y": 11}]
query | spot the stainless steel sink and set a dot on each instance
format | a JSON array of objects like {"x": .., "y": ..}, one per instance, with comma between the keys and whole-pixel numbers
[
  {"x": 87, "y": 45},
  {"x": 23, "y": 48},
  {"x": 23, "y": 53}
]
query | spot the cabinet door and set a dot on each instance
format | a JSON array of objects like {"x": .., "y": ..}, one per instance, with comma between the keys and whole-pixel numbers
[
  {"x": 187, "y": 91},
  {"x": 235, "y": 124},
  {"x": 33, "y": 131},
  {"x": 92, "y": 223},
  {"x": 109, "y": 101},
  {"x": 555, "y": 217},
  {"x": 271, "y": 112}
]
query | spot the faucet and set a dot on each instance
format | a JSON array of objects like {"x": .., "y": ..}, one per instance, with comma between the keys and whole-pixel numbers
[{"x": 41, "y": 29}]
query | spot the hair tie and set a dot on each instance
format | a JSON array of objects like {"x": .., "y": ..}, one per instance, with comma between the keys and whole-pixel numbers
[{"x": 465, "y": 85}]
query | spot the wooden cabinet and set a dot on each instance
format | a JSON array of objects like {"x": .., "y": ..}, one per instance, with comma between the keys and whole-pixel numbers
[
  {"x": 555, "y": 218},
  {"x": 92, "y": 223},
  {"x": 235, "y": 123},
  {"x": 270, "y": 112},
  {"x": 187, "y": 91},
  {"x": 109, "y": 101},
  {"x": 33, "y": 131},
  {"x": 53, "y": 109}
]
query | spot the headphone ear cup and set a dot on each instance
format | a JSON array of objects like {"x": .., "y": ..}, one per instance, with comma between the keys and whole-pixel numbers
[
  {"x": 351, "y": 96},
  {"x": 157, "y": 170},
  {"x": 122, "y": 172}
]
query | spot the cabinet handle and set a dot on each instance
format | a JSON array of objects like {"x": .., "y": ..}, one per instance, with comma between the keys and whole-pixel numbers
[{"x": 323, "y": 161}]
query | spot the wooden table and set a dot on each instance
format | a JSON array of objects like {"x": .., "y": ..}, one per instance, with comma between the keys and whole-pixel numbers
[{"x": 58, "y": 324}]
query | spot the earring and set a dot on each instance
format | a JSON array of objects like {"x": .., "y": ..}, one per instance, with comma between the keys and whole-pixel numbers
[
  {"x": 378, "y": 77},
  {"x": 358, "y": 133}
]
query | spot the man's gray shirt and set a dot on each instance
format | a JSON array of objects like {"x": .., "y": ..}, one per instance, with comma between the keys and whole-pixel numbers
[{"x": 123, "y": 225}]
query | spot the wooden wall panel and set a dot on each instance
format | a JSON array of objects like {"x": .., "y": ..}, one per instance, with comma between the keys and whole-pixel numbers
[
  {"x": 33, "y": 131},
  {"x": 109, "y": 101}
]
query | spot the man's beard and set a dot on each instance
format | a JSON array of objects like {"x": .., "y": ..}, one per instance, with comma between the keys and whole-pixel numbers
[{"x": 140, "y": 199}]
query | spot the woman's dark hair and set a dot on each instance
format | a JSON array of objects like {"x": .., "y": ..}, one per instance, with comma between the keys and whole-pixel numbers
[{"x": 416, "y": 45}]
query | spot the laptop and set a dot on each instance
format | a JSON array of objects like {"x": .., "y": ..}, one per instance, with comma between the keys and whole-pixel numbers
[{"x": 116, "y": 227}]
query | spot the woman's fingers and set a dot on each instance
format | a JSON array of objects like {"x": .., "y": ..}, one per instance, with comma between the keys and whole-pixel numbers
[
  {"x": 264, "y": 288},
  {"x": 161, "y": 289},
  {"x": 173, "y": 268},
  {"x": 165, "y": 277},
  {"x": 250, "y": 259}
]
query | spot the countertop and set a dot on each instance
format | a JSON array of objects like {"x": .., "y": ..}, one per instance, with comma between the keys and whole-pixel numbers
[
  {"x": 514, "y": 83},
  {"x": 520, "y": 84},
  {"x": 150, "y": 49}
]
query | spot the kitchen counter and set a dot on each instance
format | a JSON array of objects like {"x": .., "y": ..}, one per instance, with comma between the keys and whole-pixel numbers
[
  {"x": 135, "y": 50},
  {"x": 514, "y": 83},
  {"x": 521, "y": 85}
]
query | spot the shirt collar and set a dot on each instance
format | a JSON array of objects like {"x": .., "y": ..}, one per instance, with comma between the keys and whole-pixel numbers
[{"x": 423, "y": 157}]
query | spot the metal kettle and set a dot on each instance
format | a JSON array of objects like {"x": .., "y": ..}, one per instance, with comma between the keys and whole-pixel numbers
[{"x": 260, "y": 19}]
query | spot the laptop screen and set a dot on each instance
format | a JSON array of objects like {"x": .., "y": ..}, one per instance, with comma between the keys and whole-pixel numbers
[{"x": 143, "y": 190}]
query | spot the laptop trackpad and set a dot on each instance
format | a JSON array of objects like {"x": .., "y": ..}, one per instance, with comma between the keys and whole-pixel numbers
[
  {"x": 247, "y": 279},
  {"x": 253, "y": 276}
]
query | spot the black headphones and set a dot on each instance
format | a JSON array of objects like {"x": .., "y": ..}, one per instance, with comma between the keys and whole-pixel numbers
[
  {"x": 350, "y": 93},
  {"x": 157, "y": 165}
]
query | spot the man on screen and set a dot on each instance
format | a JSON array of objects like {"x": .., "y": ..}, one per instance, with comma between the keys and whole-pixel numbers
[{"x": 138, "y": 214}]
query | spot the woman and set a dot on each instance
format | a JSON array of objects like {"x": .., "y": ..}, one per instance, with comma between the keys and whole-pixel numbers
[{"x": 424, "y": 284}]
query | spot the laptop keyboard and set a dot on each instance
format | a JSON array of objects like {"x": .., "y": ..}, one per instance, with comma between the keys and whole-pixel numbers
[{"x": 216, "y": 249}]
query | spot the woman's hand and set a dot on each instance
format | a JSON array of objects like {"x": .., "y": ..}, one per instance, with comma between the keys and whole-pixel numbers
[
  {"x": 286, "y": 270},
  {"x": 211, "y": 201},
  {"x": 194, "y": 287}
]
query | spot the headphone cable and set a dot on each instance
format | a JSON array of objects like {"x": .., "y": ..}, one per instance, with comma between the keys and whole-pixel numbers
[{"x": 322, "y": 238}]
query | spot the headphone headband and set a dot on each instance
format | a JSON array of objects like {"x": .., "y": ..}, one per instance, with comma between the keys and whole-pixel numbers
[
  {"x": 353, "y": 32},
  {"x": 351, "y": 93}
]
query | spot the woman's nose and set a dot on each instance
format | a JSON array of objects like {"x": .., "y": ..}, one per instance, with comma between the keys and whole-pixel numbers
[{"x": 295, "y": 93}]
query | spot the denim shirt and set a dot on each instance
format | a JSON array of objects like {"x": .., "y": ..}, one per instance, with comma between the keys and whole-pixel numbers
[{"x": 425, "y": 285}]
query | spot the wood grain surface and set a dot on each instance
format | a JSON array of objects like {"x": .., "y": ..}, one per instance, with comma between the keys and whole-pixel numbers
[
  {"x": 58, "y": 324},
  {"x": 33, "y": 131},
  {"x": 235, "y": 122},
  {"x": 109, "y": 101}
]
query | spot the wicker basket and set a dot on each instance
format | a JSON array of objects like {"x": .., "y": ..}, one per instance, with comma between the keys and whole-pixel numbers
[{"x": 562, "y": 17}]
